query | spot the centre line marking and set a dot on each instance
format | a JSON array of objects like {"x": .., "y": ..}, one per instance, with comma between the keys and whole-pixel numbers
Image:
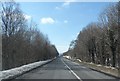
[{"x": 72, "y": 71}]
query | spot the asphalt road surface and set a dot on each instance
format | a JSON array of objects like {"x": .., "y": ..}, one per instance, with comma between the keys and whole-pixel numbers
[{"x": 63, "y": 69}]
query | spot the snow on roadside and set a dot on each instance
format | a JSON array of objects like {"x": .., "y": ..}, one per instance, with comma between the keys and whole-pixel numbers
[
  {"x": 79, "y": 60},
  {"x": 19, "y": 70},
  {"x": 68, "y": 57},
  {"x": 110, "y": 67},
  {"x": 99, "y": 65},
  {"x": 106, "y": 69}
]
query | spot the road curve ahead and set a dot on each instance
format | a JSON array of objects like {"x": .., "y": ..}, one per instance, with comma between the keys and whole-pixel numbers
[{"x": 62, "y": 69}]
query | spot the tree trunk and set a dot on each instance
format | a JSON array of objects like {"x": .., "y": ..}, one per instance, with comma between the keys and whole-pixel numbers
[
  {"x": 93, "y": 57},
  {"x": 113, "y": 56}
]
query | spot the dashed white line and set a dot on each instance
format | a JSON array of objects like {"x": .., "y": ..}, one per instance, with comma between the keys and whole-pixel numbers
[{"x": 72, "y": 71}]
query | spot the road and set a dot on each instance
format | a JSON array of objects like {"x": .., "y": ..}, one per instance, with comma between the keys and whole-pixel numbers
[{"x": 63, "y": 69}]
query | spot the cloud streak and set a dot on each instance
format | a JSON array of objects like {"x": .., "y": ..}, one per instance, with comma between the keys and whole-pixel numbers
[
  {"x": 68, "y": 2},
  {"x": 47, "y": 20},
  {"x": 27, "y": 17},
  {"x": 65, "y": 21},
  {"x": 65, "y": 4}
]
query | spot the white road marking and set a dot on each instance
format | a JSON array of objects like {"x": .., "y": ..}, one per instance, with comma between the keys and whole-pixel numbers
[{"x": 72, "y": 71}]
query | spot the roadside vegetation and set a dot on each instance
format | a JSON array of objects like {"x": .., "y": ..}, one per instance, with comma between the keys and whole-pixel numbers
[
  {"x": 99, "y": 42},
  {"x": 22, "y": 42}
]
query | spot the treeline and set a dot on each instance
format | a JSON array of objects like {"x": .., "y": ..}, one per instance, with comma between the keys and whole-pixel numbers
[
  {"x": 22, "y": 43},
  {"x": 99, "y": 42}
]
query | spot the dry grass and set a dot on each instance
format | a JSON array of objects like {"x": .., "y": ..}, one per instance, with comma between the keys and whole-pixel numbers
[{"x": 105, "y": 69}]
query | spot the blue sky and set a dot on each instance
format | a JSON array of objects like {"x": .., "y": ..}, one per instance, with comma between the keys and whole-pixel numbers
[{"x": 62, "y": 21}]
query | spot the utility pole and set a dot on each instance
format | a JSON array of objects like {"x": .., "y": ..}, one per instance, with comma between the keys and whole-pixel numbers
[
  {"x": 0, "y": 44},
  {"x": 119, "y": 38}
]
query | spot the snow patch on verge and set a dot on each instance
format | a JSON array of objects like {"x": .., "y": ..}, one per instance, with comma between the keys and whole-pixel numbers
[
  {"x": 109, "y": 67},
  {"x": 19, "y": 70},
  {"x": 105, "y": 69},
  {"x": 68, "y": 57},
  {"x": 79, "y": 60},
  {"x": 99, "y": 65}
]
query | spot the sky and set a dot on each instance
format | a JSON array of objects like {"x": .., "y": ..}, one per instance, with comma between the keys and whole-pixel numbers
[{"x": 62, "y": 21}]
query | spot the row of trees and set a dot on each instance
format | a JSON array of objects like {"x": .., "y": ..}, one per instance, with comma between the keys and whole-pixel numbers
[
  {"x": 99, "y": 42},
  {"x": 22, "y": 43}
]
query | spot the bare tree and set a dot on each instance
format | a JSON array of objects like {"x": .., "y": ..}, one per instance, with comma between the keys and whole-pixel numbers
[
  {"x": 99, "y": 42},
  {"x": 110, "y": 18},
  {"x": 22, "y": 43}
]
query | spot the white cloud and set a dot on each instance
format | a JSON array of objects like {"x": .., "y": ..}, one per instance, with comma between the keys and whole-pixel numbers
[
  {"x": 65, "y": 4},
  {"x": 47, "y": 20},
  {"x": 57, "y": 8},
  {"x": 65, "y": 21},
  {"x": 77, "y": 33},
  {"x": 27, "y": 17}
]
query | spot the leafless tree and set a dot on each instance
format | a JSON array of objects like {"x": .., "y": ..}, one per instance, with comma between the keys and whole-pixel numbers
[
  {"x": 22, "y": 43},
  {"x": 99, "y": 42}
]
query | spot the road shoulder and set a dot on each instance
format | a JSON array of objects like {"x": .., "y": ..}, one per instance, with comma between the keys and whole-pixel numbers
[{"x": 113, "y": 72}]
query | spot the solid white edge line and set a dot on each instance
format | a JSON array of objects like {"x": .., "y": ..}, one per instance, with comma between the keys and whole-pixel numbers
[{"x": 72, "y": 71}]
